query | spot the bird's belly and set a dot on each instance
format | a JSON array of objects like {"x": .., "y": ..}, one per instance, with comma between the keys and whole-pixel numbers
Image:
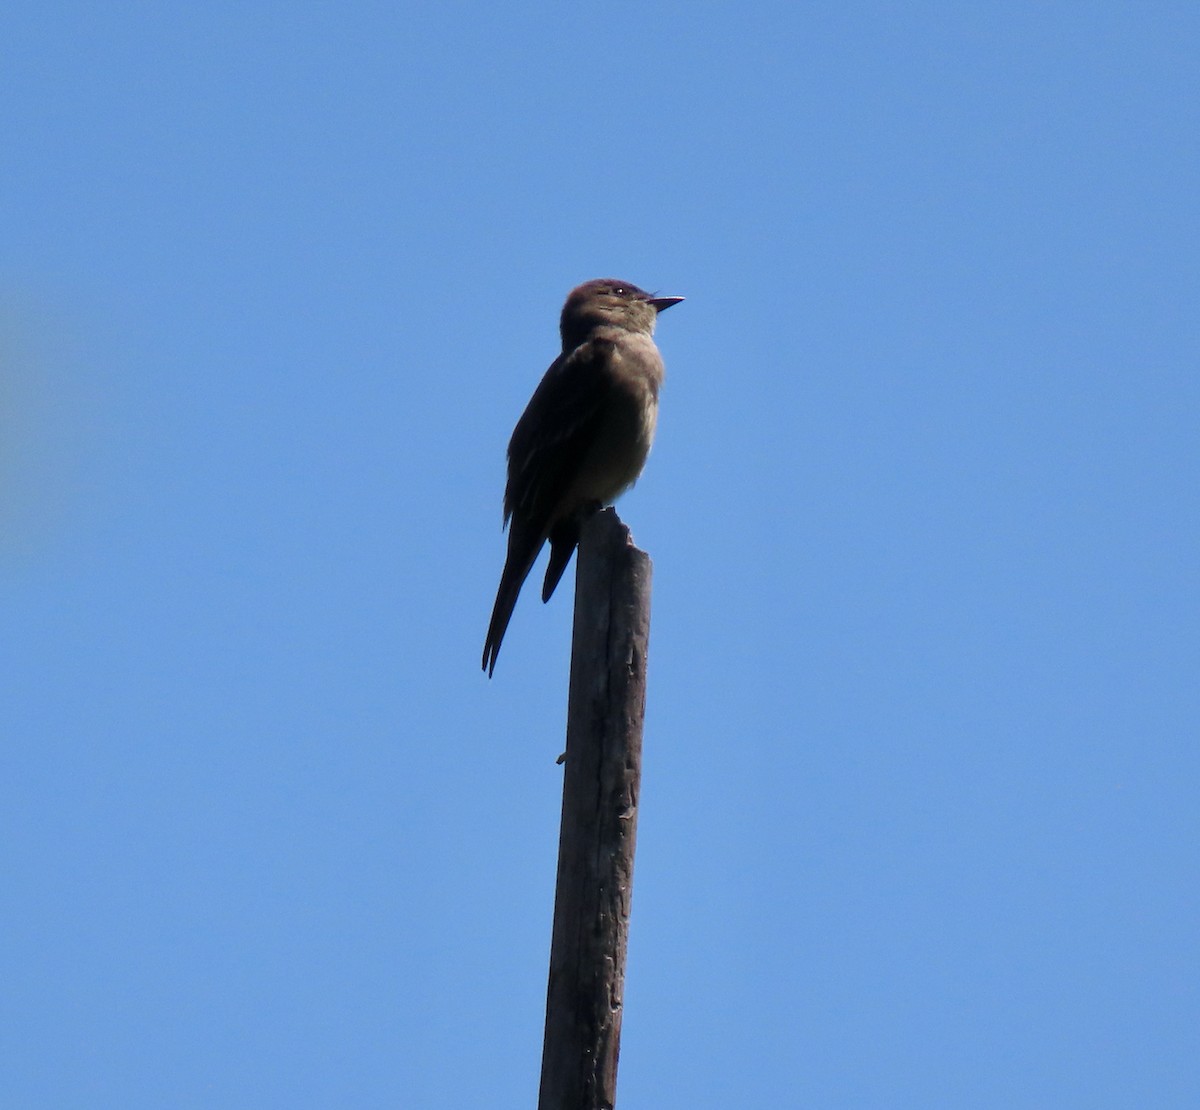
[{"x": 619, "y": 453}]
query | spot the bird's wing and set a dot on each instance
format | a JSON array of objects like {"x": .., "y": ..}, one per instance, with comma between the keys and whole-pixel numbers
[
  {"x": 547, "y": 449},
  {"x": 555, "y": 433}
]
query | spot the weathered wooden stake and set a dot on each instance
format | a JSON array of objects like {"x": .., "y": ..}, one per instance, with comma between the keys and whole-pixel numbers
[{"x": 601, "y": 780}]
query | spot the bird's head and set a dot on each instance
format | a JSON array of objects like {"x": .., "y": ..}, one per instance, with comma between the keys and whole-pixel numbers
[{"x": 608, "y": 301}]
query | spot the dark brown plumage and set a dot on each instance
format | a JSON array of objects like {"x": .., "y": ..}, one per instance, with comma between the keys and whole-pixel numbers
[{"x": 584, "y": 436}]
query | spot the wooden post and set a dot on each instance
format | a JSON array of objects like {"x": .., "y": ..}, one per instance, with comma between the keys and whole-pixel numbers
[{"x": 601, "y": 781}]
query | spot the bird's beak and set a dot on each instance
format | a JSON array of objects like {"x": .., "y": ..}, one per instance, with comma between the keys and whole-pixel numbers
[{"x": 661, "y": 303}]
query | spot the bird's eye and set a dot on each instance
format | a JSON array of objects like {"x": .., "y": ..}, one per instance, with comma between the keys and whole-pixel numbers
[{"x": 620, "y": 290}]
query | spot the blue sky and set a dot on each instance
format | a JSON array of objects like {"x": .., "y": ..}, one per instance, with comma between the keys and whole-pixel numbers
[{"x": 919, "y": 811}]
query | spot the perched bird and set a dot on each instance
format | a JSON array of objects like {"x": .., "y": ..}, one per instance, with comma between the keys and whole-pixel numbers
[{"x": 584, "y": 436}]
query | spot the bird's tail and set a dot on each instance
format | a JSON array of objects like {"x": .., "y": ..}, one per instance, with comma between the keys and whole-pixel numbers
[
  {"x": 564, "y": 538},
  {"x": 522, "y": 553}
]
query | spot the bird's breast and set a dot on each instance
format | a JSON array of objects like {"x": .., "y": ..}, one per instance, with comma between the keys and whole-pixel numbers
[{"x": 627, "y": 430}]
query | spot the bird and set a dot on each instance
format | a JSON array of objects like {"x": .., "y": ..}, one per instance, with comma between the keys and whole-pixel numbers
[{"x": 584, "y": 436}]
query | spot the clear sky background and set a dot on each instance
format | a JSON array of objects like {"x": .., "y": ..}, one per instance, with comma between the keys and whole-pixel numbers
[{"x": 920, "y": 822}]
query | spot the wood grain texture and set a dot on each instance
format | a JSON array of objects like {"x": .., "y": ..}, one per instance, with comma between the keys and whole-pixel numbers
[{"x": 601, "y": 782}]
